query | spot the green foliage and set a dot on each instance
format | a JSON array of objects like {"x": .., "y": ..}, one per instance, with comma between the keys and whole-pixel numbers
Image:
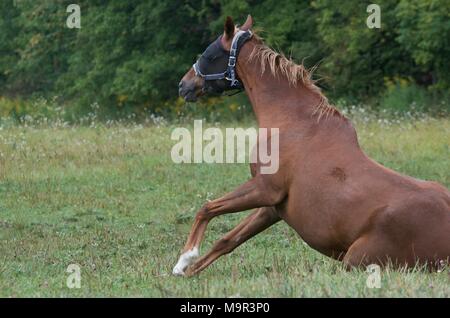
[
  {"x": 403, "y": 98},
  {"x": 141, "y": 55},
  {"x": 8, "y": 32},
  {"x": 43, "y": 44},
  {"x": 359, "y": 58},
  {"x": 424, "y": 31},
  {"x": 128, "y": 56}
]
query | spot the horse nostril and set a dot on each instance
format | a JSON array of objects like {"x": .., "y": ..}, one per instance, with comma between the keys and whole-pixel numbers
[{"x": 181, "y": 90}]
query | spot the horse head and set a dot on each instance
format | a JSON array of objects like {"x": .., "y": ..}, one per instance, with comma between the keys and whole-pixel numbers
[{"x": 214, "y": 72}]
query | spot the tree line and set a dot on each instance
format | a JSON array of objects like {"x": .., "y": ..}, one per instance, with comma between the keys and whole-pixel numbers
[{"x": 131, "y": 54}]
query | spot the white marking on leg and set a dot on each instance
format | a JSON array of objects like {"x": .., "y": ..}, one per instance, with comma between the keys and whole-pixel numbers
[{"x": 185, "y": 260}]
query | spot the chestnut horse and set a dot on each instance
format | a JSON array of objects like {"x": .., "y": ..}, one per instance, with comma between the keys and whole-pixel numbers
[{"x": 340, "y": 202}]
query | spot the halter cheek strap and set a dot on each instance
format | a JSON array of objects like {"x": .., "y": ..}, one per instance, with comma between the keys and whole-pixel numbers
[{"x": 230, "y": 73}]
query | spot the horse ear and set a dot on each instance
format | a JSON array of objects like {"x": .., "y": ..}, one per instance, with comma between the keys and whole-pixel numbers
[
  {"x": 229, "y": 28},
  {"x": 248, "y": 23}
]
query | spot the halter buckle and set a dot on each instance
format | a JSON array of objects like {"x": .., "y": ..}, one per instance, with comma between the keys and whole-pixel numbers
[{"x": 232, "y": 61}]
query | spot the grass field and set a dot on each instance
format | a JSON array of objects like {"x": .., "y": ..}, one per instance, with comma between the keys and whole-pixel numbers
[{"x": 109, "y": 198}]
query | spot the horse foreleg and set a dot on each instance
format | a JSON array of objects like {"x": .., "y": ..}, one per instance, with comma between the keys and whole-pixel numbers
[
  {"x": 255, "y": 223},
  {"x": 252, "y": 194}
]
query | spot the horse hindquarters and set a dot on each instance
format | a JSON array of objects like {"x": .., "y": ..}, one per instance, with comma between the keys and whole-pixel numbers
[{"x": 416, "y": 233}]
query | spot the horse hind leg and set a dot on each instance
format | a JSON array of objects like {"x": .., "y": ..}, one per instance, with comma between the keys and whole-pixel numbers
[
  {"x": 416, "y": 233},
  {"x": 374, "y": 248},
  {"x": 255, "y": 223}
]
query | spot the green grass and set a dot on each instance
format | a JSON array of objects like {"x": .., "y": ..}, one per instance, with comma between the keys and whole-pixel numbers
[{"x": 110, "y": 199}]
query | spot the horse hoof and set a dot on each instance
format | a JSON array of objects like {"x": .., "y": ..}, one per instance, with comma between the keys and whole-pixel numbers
[
  {"x": 178, "y": 271},
  {"x": 185, "y": 260}
]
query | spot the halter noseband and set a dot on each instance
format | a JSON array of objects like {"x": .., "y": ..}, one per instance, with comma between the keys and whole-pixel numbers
[{"x": 230, "y": 73}]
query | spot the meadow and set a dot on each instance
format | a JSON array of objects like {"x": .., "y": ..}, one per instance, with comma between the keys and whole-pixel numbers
[{"x": 107, "y": 196}]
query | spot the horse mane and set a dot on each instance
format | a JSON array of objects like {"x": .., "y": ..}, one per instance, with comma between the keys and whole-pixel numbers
[{"x": 280, "y": 65}]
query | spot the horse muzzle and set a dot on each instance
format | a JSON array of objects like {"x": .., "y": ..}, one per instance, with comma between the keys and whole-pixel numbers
[{"x": 188, "y": 91}]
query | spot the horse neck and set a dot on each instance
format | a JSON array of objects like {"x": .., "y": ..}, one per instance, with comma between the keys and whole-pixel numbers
[{"x": 275, "y": 102}]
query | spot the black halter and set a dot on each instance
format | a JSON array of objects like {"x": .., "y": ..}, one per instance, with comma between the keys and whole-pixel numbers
[{"x": 216, "y": 80}]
